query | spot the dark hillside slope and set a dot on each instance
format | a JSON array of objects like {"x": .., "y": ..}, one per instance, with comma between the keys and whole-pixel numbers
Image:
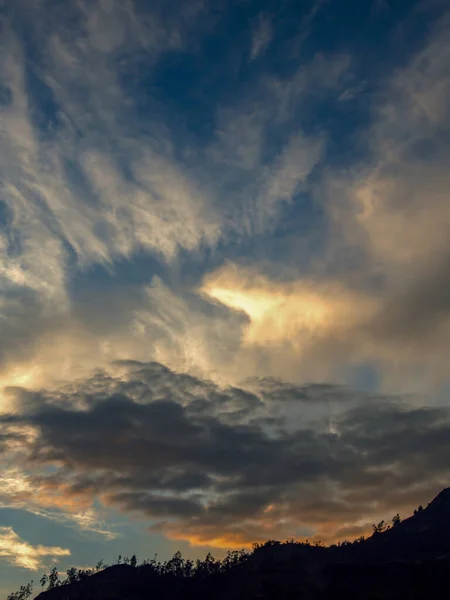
[
  {"x": 424, "y": 535},
  {"x": 410, "y": 561}
]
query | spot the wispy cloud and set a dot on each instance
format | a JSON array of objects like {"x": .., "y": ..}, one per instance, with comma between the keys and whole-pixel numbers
[
  {"x": 19, "y": 490},
  {"x": 261, "y": 37},
  {"x": 68, "y": 196},
  {"x": 87, "y": 184},
  {"x": 393, "y": 211},
  {"x": 80, "y": 183},
  {"x": 20, "y": 553}
]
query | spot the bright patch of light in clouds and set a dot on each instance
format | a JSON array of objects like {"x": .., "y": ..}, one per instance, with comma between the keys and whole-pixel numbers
[
  {"x": 20, "y": 553},
  {"x": 280, "y": 312}
]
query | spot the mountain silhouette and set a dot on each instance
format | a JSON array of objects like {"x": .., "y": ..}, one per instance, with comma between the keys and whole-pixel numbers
[
  {"x": 409, "y": 560},
  {"x": 425, "y": 535}
]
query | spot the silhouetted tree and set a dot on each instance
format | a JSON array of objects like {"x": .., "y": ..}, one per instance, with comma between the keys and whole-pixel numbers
[
  {"x": 72, "y": 575},
  {"x": 382, "y": 526},
  {"x": 44, "y": 580},
  {"x": 235, "y": 558},
  {"x": 100, "y": 565},
  {"x": 24, "y": 592},
  {"x": 396, "y": 520},
  {"x": 84, "y": 574},
  {"x": 175, "y": 566},
  {"x": 207, "y": 566},
  {"x": 53, "y": 579}
]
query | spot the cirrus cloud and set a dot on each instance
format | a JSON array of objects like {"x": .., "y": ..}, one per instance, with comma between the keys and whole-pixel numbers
[{"x": 20, "y": 553}]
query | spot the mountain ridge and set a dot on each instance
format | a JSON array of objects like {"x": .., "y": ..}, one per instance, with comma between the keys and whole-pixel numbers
[{"x": 409, "y": 560}]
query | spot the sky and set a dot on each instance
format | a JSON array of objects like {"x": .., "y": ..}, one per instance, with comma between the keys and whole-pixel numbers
[{"x": 224, "y": 274}]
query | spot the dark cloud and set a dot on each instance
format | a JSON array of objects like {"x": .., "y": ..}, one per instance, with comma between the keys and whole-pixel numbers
[
  {"x": 6, "y": 95},
  {"x": 162, "y": 444},
  {"x": 8, "y": 438},
  {"x": 156, "y": 506},
  {"x": 421, "y": 311},
  {"x": 271, "y": 388}
]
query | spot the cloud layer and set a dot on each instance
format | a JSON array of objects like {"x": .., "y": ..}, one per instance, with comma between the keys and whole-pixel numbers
[
  {"x": 224, "y": 289},
  {"x": 225, "y": 466}
]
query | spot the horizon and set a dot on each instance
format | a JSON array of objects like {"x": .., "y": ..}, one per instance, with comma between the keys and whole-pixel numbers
[
  {"x": 224, "y": 284},
  {"x": 424, "y": 543}
]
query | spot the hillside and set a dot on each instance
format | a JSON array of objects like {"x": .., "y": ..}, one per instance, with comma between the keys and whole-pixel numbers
[{"x": 409, "y": 561}]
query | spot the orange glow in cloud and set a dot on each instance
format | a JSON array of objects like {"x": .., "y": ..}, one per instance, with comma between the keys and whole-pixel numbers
[
  {"x": 63, "y": 498},
  {"x": 16, "y": 485},
  {"x": 225, "y": 541},
  {"x": 264, "y": 528}
]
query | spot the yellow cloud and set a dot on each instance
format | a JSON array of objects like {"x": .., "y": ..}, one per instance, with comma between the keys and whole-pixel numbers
[
  {"x": 22, "y": 554},
  {"x": 297, "y": 312},
  {"x": 26, "y": 376}
]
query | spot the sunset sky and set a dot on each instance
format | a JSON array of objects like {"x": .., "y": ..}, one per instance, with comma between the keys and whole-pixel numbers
[{"x": 224, "y": 273}]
